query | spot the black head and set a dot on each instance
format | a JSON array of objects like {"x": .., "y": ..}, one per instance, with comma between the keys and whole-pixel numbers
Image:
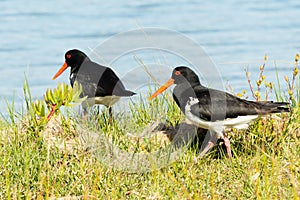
[
  {"x": 184, "y": 74},
  {"x": 73, "y": 58}
]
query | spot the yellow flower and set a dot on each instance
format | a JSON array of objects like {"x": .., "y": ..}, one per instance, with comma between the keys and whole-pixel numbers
[
  {"x": 239, "y": 95},
  {"x": 261, "y": 67},
  {"x": 265, "y": 57},
  {"x": 257, "y": 94},
  {"x": 297, "y": 57},
  {"x": 286, "y": 78},
  {"x": 271, "y": 85},
  {"x": 296, "y": 70},
  {"x": 266, "y": 83},
  {"x": 258, "y": 83}
]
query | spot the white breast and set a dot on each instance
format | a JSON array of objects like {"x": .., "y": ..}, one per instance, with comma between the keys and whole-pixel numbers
[
  {"x": 72, "y": 76},
  {"x": 108, "y": 101},
  {"x": 241, "y": 122}
]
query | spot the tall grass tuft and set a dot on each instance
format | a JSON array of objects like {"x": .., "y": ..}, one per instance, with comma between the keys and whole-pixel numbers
[{"x": 46, "y": 159}]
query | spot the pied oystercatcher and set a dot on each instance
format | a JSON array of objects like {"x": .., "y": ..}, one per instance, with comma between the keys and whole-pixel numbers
[
  {"x": 213, "y": 109},
  {"x": 99, "y": 83}
]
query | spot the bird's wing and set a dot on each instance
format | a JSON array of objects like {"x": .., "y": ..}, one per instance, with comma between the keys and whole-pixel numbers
[
  {"x": 217, "y": 105},
  {"x": 97, "y": 80},
  {"x": 88, "y": 76},
  {"x": 110, "y": 84}
]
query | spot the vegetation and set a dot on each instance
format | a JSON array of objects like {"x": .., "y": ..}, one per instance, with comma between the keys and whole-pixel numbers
[{"x": 46, "y": 157}]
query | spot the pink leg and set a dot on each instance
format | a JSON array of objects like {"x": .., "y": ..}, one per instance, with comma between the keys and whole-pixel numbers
[
  {"x": 84, "y": 114},
  {"x": 227, "y": 145},
  {"x": 211, "y": 142},
  {"x": 209, "y": 145},
  {"x": 84, "y": 117}
]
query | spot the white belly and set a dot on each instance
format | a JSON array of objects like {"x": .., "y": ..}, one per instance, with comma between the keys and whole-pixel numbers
[
  {"x": 108, "y": 101},
  {"x": 241, "y": 122}
]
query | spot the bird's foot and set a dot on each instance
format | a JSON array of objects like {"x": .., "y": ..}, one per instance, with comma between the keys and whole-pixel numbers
[
  {"x": 227, "y": 145},
  {"x": 195, "y": 159},
  {"x": 209, "y": 145},
  {"x": 84, "y": 118}
]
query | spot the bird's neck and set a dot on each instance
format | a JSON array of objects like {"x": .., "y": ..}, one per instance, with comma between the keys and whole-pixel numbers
[
  {"x": 73, "y": 74},
  {"x": 182, "y": 93},
  {"x": 75, "y": 69}
]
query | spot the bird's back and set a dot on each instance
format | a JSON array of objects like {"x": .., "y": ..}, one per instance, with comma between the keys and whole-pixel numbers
[
  {"x": 98, "y": 80},
  {"x": 215, "y": 105}
]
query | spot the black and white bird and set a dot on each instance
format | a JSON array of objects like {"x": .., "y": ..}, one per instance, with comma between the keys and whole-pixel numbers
[
  {"x": 213, "y": 109},
  {"x": 99, "y": 83}
]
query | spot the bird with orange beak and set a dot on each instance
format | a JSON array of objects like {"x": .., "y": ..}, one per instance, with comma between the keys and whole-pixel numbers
[
  {"x": 212, "y": 109},
  {"x": 99, "y": 83}
]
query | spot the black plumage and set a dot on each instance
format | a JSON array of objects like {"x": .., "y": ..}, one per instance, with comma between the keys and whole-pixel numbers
[
  {"x": 215, "y": 104},
  {"x": 207, "y": 107},
  {"x": 97, "y": 81}
]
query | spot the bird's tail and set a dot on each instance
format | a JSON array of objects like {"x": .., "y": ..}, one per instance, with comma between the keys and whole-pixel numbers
[
  {"x": 273, "y": 107},
  {"x": 124, "y": 93},
  {"x": 128, "y": 93}
]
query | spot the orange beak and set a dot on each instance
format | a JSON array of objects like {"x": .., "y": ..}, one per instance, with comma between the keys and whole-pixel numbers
[
  {"x": 161, "y": 89},
  {"x": 61, "y": 70}
]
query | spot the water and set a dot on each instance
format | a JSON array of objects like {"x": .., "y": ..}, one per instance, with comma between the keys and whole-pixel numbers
[{"x": 36, "y": 34}]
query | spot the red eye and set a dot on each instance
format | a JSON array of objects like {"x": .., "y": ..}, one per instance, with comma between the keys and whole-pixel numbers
[
  {"x": 177, "y": 73},
  {"x": 68, "y": 56}
]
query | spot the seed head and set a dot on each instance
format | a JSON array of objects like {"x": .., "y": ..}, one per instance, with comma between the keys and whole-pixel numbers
[
  {"x": 297, "y": 57},
  {"x": 296, "y": 71},
  {"x": 286, "y": 78}
]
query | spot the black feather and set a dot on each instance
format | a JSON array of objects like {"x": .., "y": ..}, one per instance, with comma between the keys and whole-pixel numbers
[{"x": 214, "y": 104}]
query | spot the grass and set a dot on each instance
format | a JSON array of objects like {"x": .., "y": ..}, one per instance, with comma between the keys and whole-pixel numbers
[{"x": 43, "y": 159}]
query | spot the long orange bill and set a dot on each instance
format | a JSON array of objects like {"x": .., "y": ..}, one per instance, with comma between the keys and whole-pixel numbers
[
  {"x": 161, "y": 89},
  {"x": 61, "y": 70}
]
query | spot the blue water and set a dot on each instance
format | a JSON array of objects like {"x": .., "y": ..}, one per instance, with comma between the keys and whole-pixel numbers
[{"x": 235, "y": 34}]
